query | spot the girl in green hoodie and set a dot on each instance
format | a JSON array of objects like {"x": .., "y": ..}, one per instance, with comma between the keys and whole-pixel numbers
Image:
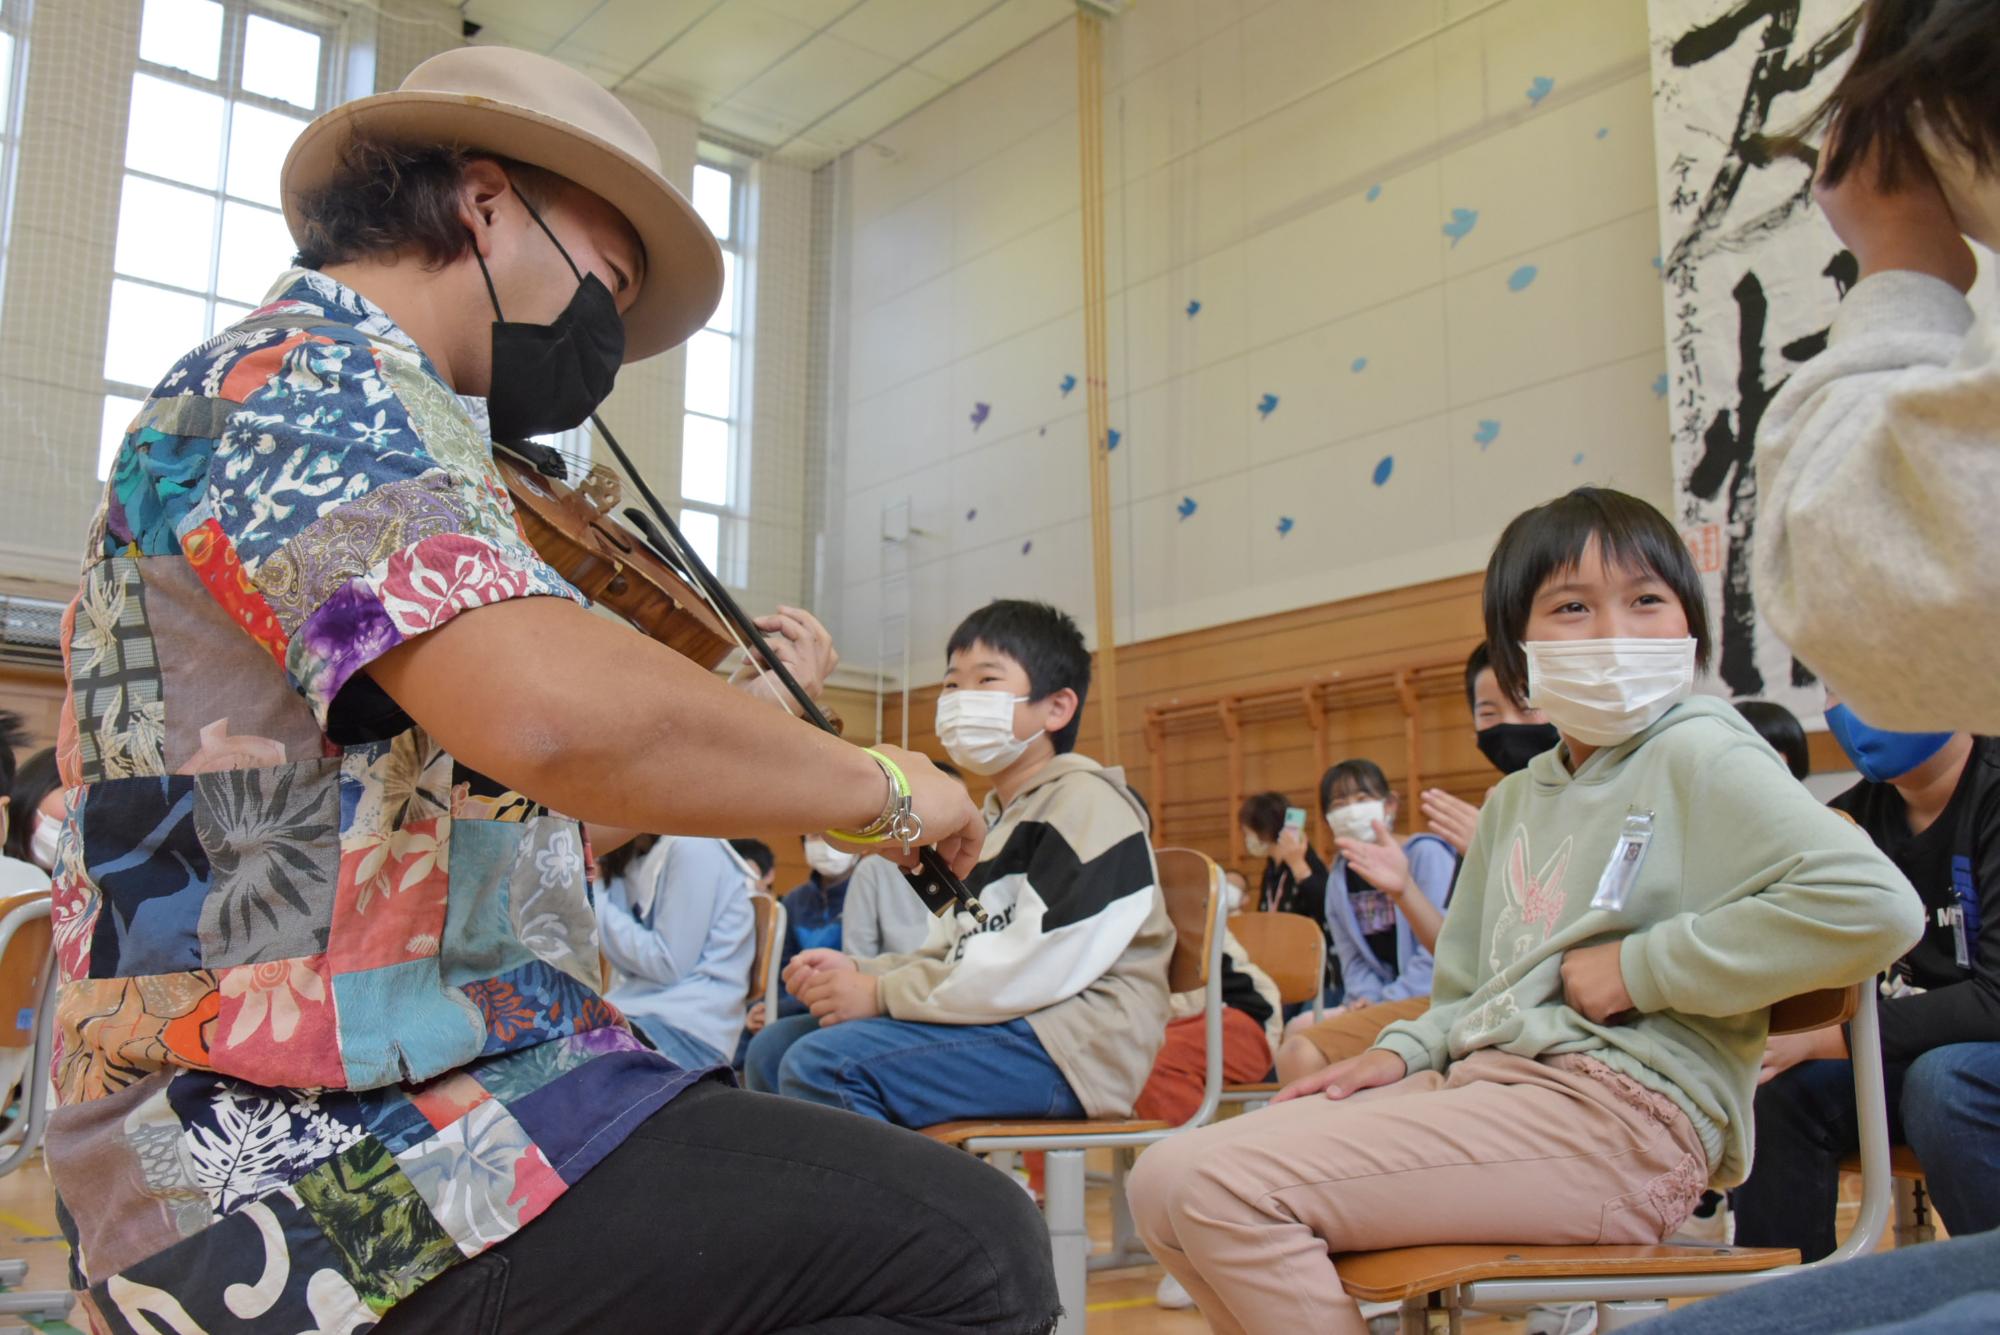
[{"x": 1631, "y": 906}]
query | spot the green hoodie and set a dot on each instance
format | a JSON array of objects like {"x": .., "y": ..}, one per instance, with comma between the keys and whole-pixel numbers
[{"x": 1749, "y": 892}]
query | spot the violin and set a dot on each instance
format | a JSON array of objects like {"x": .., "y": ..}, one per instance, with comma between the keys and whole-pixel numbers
[
  {"x": 573, "y": 529},
  {"x": 654, "y": 580}
]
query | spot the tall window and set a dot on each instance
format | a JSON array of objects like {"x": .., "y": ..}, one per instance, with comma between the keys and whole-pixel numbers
[
  {"x": 221, "y": 91},
  {"x": 714, "y": 490},
  {"x": 13, "y": 60}
]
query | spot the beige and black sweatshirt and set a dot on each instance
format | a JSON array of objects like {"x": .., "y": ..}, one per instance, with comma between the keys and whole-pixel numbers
[{"x": 1077, "y": 941}]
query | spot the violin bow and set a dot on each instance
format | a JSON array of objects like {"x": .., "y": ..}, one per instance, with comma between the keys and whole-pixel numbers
[{"x": 933, "y": 879}]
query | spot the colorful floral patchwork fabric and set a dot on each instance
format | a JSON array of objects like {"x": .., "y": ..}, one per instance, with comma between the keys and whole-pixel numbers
[{"x": 329, "y": 1014}]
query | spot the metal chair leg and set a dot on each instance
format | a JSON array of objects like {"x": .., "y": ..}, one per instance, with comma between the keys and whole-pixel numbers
[
  {"x": 1069, "y": 1241},
  {"x": 1913, "y": 1216},
  {"x": 1126, "y": 1248},
  {"x": 1416, "y": 1315}
]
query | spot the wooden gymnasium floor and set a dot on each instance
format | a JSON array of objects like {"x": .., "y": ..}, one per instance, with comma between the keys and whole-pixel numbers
[{"x": 1121, "y": 1301}]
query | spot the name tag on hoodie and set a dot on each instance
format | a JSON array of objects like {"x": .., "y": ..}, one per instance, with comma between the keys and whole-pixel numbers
[{"x": 1614, "y": 887}]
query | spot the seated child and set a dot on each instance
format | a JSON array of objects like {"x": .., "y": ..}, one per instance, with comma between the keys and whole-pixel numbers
[
  {"x": 1507, "y": 732},
  {"x": 1931, "y": 802},
  {"x": 1384, "y": 908},
  {"x": 881, "y": 916},
  {"x": 1583, "y": 1071},
  {"x": 20, "y": 828},
  {"x": 763, "y": 863},
  {"x": 674, "y": 919},
  {"x": 1780, "y": 729},
  {"x": 1056, "y": 1005},
  {"x": 1294, "y": 876}
]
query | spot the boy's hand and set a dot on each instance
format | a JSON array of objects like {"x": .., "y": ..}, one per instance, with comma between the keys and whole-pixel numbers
[
  {"x": 754, "y": 1021},
  {"x": 1451, "y": 819},
  {"x": 1375, "y": 1067},
  {"x": 1383, "y": 864},
  {"x": 834, "y": 995},
  {"x": 809, "y": 962},
  {"x": 1784, "y": 1051},
  {"x": 1594, "y": 983}
]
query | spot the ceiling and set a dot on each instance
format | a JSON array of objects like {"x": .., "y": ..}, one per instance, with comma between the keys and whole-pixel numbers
[{"x": 804, "y": 80}]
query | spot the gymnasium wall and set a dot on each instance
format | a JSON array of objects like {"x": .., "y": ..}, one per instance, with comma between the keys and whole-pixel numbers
[{"x": 1381, "y": 275}]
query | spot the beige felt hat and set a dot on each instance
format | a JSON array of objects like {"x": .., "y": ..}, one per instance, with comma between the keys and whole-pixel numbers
[{"x": 525, "y": 106}]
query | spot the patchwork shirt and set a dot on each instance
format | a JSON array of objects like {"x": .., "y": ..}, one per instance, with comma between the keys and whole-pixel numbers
[{"x": 328, "y": 1015}]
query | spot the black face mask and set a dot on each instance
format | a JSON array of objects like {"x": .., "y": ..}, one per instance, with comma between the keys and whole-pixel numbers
[
  {"x": 1510, "y": 746},
  {"x": 550, "y": 377}
]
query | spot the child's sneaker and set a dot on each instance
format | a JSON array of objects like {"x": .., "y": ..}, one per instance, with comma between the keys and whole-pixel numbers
[
  {"x": 1172, "y": 1295},
  {"x": 1711, "y": 1224}
]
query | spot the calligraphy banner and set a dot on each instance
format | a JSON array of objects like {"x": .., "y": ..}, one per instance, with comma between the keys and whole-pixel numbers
[{"x": 1753, "y": 277}]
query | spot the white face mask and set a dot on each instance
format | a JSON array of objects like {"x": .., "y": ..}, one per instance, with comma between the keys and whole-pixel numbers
[
  {"x": 827, "y": 860},
  {"x": 1255, "y": 847},
  {"x": 42, "y": 843},
  {"x": 1603, "y": 692},
  {"x": 977, "y": 729},
  {"x": 1357, "y": 820}
]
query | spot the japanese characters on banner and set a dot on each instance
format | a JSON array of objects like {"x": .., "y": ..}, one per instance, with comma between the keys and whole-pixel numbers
[{"x": 1753, "y": 277}]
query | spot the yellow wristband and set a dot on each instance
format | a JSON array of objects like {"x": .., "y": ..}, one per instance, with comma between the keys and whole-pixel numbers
[{"x": 881, "y": 831}]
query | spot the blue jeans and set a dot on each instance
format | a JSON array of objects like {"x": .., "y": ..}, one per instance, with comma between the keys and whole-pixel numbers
[
  {"x": 1940, "y": 1286},
  {"x": 1945, "y": 1106},
  {"x": 913, "y": 1075},
  {"x": 677, "y": 1046}
]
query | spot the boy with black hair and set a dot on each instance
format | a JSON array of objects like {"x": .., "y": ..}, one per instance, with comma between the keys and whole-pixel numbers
[
  {"x": 1057, "y": 1004},
  {"x": 1780, "y": 729},
  {"x": 1508, "y": 732}
]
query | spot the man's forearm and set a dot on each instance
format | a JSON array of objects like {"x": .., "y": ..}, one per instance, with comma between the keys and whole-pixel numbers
[{"x": 598, "y": 722}]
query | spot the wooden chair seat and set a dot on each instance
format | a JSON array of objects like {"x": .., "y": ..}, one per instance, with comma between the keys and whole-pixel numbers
[
  {"x": 1902, "y": 1163},
  {"x": 1401, "y": 1272},
  {"x": 1260, "y": 1087},
  {"x": 957, "y": 1133}
]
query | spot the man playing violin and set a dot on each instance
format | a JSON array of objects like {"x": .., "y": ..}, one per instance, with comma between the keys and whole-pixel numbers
[{"x": 330, "y": 1040}]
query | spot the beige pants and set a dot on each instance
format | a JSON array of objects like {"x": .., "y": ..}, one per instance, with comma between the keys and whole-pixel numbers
[
  {"x": 1500, "y": 1149},
  {"x": 1352, "y": 1033}
]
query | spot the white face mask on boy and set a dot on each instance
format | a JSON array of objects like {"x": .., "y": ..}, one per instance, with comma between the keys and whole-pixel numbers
[
  {"x": 42, "y": 843},
  {"x": 1356, "y": 820},
  {"x": 830, "y": 862},
  {"x": 1603, "y": 692},
  {"x": 977, "y": 729}
]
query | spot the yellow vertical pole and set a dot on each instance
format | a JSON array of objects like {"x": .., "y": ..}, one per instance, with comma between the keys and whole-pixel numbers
[{"x": 1090, "y": 125}]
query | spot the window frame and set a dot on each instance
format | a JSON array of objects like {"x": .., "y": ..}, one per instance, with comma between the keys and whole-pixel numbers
[
  {"x": 16, "y": 17},
  {"x": 330, "y": 27},
  {"x": 732, "y": 515}
]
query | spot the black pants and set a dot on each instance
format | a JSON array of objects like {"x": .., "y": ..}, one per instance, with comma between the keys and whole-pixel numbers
[{"x": 740, "y": 1213}]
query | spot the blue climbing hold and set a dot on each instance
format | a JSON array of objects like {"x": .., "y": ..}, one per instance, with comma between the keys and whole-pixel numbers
[
  {"x": 1462, "y": 222},
  {"x": 1519, "y": 279},
  {"x": 1284, "y": 525},
  {"x": 980, "y": 412},
  {"x": 1383, "y": 469},
  {"x": 1193, "y": 309},
  {"x": 1186, "y": 507},
  {"x": 1267, "y": 405},
  {"x": 1660, "y": 384},
  {"x": 1374, "y": 193},
  {"x": 1111, "y": 438},
  {"x": 1358, "y": 365},
  {"x": 1542, "y": 86},
  {"x": 1488, "y": 432},
  {"x": 1067, "y": 384}
]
